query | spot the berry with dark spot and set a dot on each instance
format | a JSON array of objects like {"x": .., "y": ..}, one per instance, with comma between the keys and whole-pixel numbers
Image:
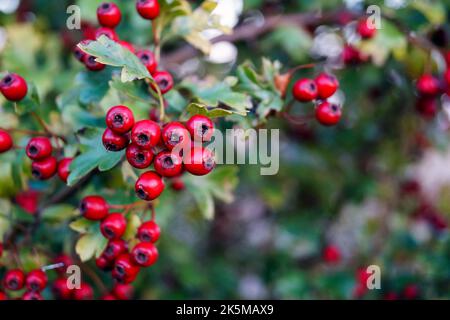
[{"x": 149, "y": 186}]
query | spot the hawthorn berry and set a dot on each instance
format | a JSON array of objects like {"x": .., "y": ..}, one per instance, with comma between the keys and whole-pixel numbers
[
  {"x": 14, "y": 279},
  {"x": 113, "y": 141},
  {"x": 177, "y": 184},
  {"x": 114, "y": 248},
  {"x": 168, "y": 164},
  {"x": 91, "y": 63},
  {"x": 327, "y": 85},
  {"x": 36, "y": 280},
  {"x": 61, "y": 290},
  {"x": 200, "y": 161},
  {"x": 120, "y": 119},
  {"x": 64, "y": 168},
  {"x": 428, "y": 85},
  {"x": 139, "y": 158},
  {"x": 365, "y": 29},
  {"x": 200, "y": 127},
  {"x": 39, "y": 148},
  {"x": 94, "y": 207},
  {"x": 146, "y": 134},
  {"x": 148, "y": 60},
  {"x": 175, "y": 134},
  {"x": 109, "y": 15},
  {"x": 108, "y": 32},
  {"x": 28, "y": 200},
  {"x": 144, "y": 254},
  {"x": 127, "y": 46},
  {"x": 13, "y": 87},
  {"x": 104, "y": 263},
  {"x": 3, "y": 296},
  {"x": 125, "y": 270},
  {"x": 427, "y": 107},
  {"x": 122, "y": 291},
  {"x": 148, "y": 9},
  {"x": 328, "y": 114},
  {"x": 113, "y": 226},
  {"x": 109, "y": 297},
  {"x": 65, "y": 260},
  {"x": 31, "y": 295},
  {"x": 149, "y": 231},
  {"x": 44, "y": 169},
  {"x": 352, "y": 56},
  {"x": 331, "y": 254},
  {"x": 163, "y": 80},
  {"x": 85, "y": 292},
  {"x": 149, "y": 186},
  {"x": 6, "y": 141},
  {"x": 305, "y": 90}
]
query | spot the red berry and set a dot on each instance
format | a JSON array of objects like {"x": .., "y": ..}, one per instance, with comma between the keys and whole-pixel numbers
[
  {"x": 139, "y": 158},
  {"x": 28, "y": 200},
  {"x": 125, "y": 270},
  {"x": 177, "y": 184},
  {"x": 411, "y": 292},
  {"x": 44, "y": 169},
  {"x": 200, "y": 127},
  {"x": 127, "y": 46},
  {"x": 200, "y": 161},
  {"x": 84, "y": 293},
  {"x": 428, "y": 85},
  {"x": 113, "y": 226},
  {"x": 108, "y": 32},
  {"x": 175, "y": 134},
  {"x": 91, "y": 64},
  {"x": 144, "y": 254},
  {"x": 109, "y": 296},
  {"x": 148, "y": 9},
  {"x": 6, "y": 141},
  {"x": 114, "y": 248},
  {"x": 39, "y": 148},
  {"x": 120, "y": 119},
  {"x": 13, "y": 87},
  {"x": 365, "y": 29},
  {"x": 328, "y": 114},
  {"x": 168, "y": 164},
  {"x": 61, "y": 290},
  {"x": 148, "y": 60},
  {"x": 149, "y": 186},
  {"x": 3, "y": 296},
  {"x": 113, "y": 141},
  {"x": 14, "y": 279},
  {"x": 104, "y": 263},
  {"x": 331, "y": 254},
  {"x": 327, "y": 85},
  {"x": 32, "y": 296},
  {"x": 122, "y": 291},
  {"x": 94, "y": 208},
  {"x": 109, "y": 15},
  {"x": 164, "y": 81},
  {"x": 36, "y": 280},
  {"x": 65, "y": 260},
  {"x": 427, "y": 107},
  {"x": 146, "y": 134},
  {"x": 352, "y": 56},
  {"x": 149, "y": 231},
  {"x": 305, "y": 90},
  {"x": 64, "y": 168}
]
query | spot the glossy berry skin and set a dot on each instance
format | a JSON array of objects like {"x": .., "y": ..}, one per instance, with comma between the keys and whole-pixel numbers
[
  {"x": 149, "y": 231},
  {"x": 113, "y": 226},
  {"x": 114, "y": 142},
  {"x": 94, "y": 208},
  {"x": 61, "y": 290},
  {"x": 84, "y": 293},
  {"x": 6, "y": 141},
  {"x": 31, "y": 295},
  {"x": 305, "y": 90},
  {"x": 36, "y": 280},
  {"x": 13, "y": 87},
  {"x": 365, "y": 29},
  {"x": 148, "y": 60},
  {"x": 14, "y": 279},
  {"x": 148, "y": 9},
  {"x": 120, "y": 119},
  {"x": 39, "y": 148},
  {"x": 123, "y": 291},
  {"x": 114, "y": 248},
  {"x": 104, "y": 263},
  {"x": 149, "y": 186},
  {"x": 109, "y": 15},
  {"x": 164, "y": 81},
  {"x": 200, "y": 161},
  {"x": 139, "y": 158},
  {"x": 200, "y": 127},
  {"x": 108, "y": 32},
  {"x": 168, "y": 164},
  {"x": 175, "y": 134},
  {"x": 328, "y": 114},
  {"x": 144, "y": 254},
  {"x": 331, "y": 254},
  {"x": 428, "y": 85},
  {"x": 146, "y": 134},
  {"x": 44, "y": 169},
  {"x": 91, "y": 64},
  {"x": 327, "y": 85},
  {"x": 63, "y": 169},
  {"x": 125, "y": 270}
]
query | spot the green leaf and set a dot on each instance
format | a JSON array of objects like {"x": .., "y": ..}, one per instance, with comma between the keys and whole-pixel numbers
[
  {"x": 83, "y": 225},
  {"x": 198, "y": 108},
  {"x": 29, "y": 103},
  {"x": 90, "y": 245},
  {"x": 133, "y": 223},
  {"x": 59, "y": 213},
  {"x": 434, "y": 11}
]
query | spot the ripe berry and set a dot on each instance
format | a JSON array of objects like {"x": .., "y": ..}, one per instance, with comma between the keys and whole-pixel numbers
[
  {"x": 32, "y": 296},
  {"x": 148, "y": 9},
  {"x": 200, "y": 161},
  {"x": 139, "y": 158},
  {"x": 427, "y": 107},
  {"x": 327, "y": 85},
  {"x": 110, "y": 33},
  {"x": 122, "y": 291},
  {"x": 164, "y": 81},
  {"x": 3, "y": 296},
  {"x": 113, "y": 141},
  {"x": 331, "y": 254},
  {"x": 352, "y": 56},
  {"x": 44, "y": 169},
  {"x": 65, "y": 260},
  {"x": 94, "y": 208},
  {"x": 39, "y": 148},
  {"x": 63, "y": 168},
  {"x": 146, "y": 134},
  {"x": 200, "y": 127},
  {"x": 91, "y": 64},
  {"x": 365, "y": 29},
  {"x": 114, "y": 248},
  {"x": 113, "y": 226},
  {"x": 144, "y": 254},
  {"x": 13, "y": 87},
  {"x": 175, "y": 134},
  {"x": 6, "y": 141},
  {"x": 149, "y": 186},
  {"x": 149, "y": 231},
  {"x": 36, "y": 280},
  {"x": 305, "y": 90},
  {"x": 168, "y": 164},
  {"x": 148, "y": 60},
  {"x": 84, "y": 293},
  {"x": 108, "y": 14},
  {"x": 177, "y": 184},
  {"x": 14, "y": 279},
  {"x": 125, "y": 270},
  {"x": 428, "y": 85},
  {"x": 120, "y": 119},
  {"x": 61, "y": 290},
  {"x": 109, "y": 297},
  {"x": 127, "y": 45},
  {"x": 328, "y": 114},
  {"x": 104, "y": 263}
]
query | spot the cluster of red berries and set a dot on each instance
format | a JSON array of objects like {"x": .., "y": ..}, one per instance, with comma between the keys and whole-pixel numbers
[
  {"x": 146, "y": 143},
  {"x": 125, "y": 264},
  {"x": 318, "y": 90},
  {"x": 13, "y": 87},
  {"x": 350, "y": 54},
  {"x": 33, "y": 283}
]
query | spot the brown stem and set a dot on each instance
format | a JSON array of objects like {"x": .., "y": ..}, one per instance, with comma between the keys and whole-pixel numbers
[
  {"x": 94, "y": 277},
  {"x": 46, "y": 128}
]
